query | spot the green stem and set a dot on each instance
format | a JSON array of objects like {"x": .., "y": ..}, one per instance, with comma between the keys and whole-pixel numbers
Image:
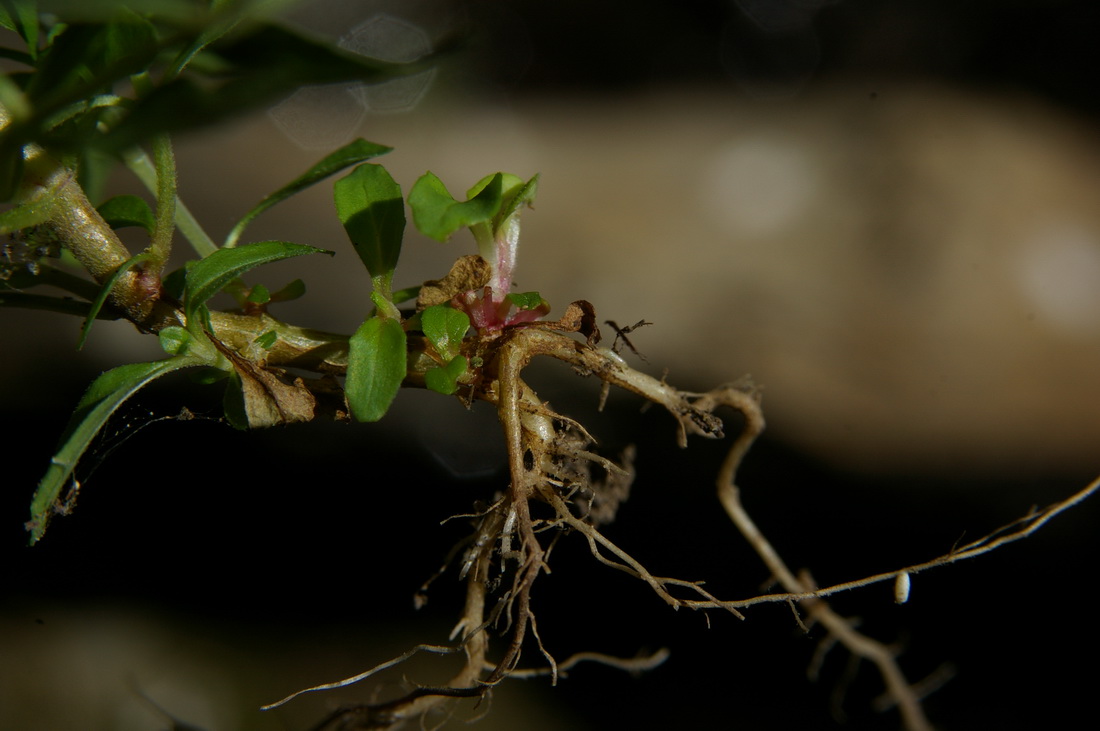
[
  {"x": 165, "y": 162},
  {"x": 140, "y": 165}
]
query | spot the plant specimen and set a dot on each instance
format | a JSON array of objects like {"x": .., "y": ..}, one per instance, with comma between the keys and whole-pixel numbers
[{"x": 466, "y": 335}]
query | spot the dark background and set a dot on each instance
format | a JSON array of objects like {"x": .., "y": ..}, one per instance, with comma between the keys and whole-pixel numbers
[{"x": 295, "y": 531}]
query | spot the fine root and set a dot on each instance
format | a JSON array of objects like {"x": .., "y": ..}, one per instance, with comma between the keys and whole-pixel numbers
[{"x": 550, "y": 466}]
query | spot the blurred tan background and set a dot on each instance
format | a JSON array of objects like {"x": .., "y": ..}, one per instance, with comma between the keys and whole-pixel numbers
[{"x": 911, "y": 272}]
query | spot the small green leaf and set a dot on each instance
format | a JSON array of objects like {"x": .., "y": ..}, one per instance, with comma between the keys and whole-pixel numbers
[
  {"x": 438, "y": 215},
  {"x": 207, "y": 276},
  {"x": 267, "y": 340},
  {"x": 376, "y": 367},
  {"x": 521, "y": 196},
  {"x": 259, "y": 295},
  {"x": 514, "y": 192},
  {"x": 350, "y": 154},
  {"x": 175, "y": 340},
  {"x": 528, "y": 300},
  {"x": 128, "y": 210},
  {"x": 444, "y": 327},
  {"x": 509, "y": 184},
  {"x": 406, "y": 294},
  {"x": 369, "y": 204},
  {"x": 291, "y": 291},
  {"x": 102, "y": 399},
  {"x": 444, "y": 379}
]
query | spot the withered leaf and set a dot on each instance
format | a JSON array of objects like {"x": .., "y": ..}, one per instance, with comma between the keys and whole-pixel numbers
[
  {"x": 580, "y": 316},
  {"x": 269, "y": 400},
  {"x": 469, "y": 272}
]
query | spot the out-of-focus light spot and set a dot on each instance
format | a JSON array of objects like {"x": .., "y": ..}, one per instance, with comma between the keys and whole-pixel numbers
[
  {"x": 1058, "y": 269},
  {"x": 392, "y": 39},
  {"x": 757, "y": 186},
  {"x": 319, "y": 117},
  {"x": 324, "y": 117}
]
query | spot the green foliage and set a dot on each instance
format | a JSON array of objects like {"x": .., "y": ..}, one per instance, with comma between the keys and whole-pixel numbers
[
  {"x": 354, "y": 152},
  {"x": 267, "y": 339},
  {"x": 128, "y": 210},
  {"x": 444, "y": 379},
  {"x": 193, "y": 64},
  {"x": 437, "y": 214},
  {"x": 370, "y": 206},
  {"x": 208, "y": 276},
  {"x": 21, "y": 16},
  {"x": 104, "y": 292},
  {"x": 293, "y": 290},
  {"x": 257, "y": 68},
  {"x": 175, "y": 340},
  {"x": 101, "y": 79},
  {"x": 376, "y": 367},
  {"x": 514, "y": 193},
  {"x": 528, "y": 300},
  {"x": 445, "y": 327},
  {"x": 103, "y": 397}
]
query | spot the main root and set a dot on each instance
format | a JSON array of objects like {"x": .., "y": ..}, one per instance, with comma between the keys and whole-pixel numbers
[{"x": 551, "y": 469}]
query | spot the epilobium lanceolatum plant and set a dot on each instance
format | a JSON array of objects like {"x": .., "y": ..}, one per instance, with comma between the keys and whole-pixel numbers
[{"x": 96, "y": 83}]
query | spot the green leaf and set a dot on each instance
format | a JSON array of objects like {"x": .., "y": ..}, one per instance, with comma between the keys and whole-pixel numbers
[
  {"x": 174, "y": 282},
  {"x": 128, "y": 210},
  {"x": 438, "y": 215},
  {"x": 291, "y": 291},
  {"x": 175, "y": 340},
  {"x": 266, "y": 340},
  {"x": 102, "y": 399},
  {"x": 517, "y": 196},
  {"x": 87, "y": 58},
  {"x": 444, "y": 379},
  {"x": 207, "y": 276},
  {"x": 80, "y": 63},
  {"x": 406, "y": 294},
  {"x": 104, "y": 292},
  {"x": 213, "y": 28},
  {"x": 528, "y": 300},
  {"x": 14, "y": 101},
  {"x": 350, "y": 154},
  {"x": 514, "y": 192},
  {"x": 376, "y": 367},
  {"x": 444, "y": 327},
  {"x": 21, "y": 16},
  {"x": 27, "y": 214},
  {"x": 264, "y": 66},
  {"x": 369, "y": 204},
  {"x": 258, "y": 295}
]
